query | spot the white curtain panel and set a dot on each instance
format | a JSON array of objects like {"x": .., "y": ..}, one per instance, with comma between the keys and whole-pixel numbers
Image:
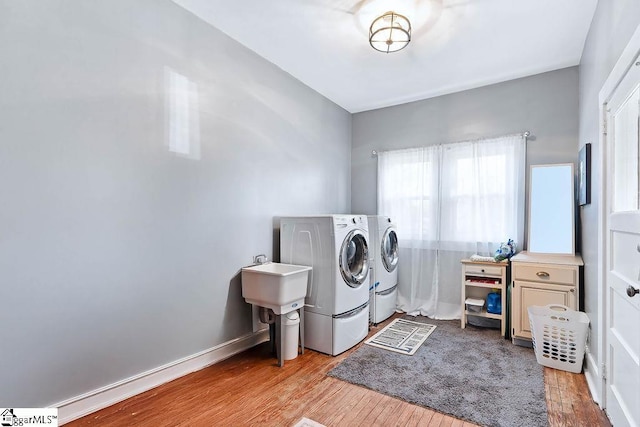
[{"x": 450, "y": 201}]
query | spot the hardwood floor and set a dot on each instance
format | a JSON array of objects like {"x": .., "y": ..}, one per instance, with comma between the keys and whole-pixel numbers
[{"x": 250, "y": 389}]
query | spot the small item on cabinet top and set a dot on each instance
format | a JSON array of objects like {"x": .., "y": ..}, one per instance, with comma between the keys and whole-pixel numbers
[
  {"x": 479, "y": 258},
  {"x": 505, "y": 251}
]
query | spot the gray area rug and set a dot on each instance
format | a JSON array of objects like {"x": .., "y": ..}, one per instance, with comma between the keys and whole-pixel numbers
[{"x": 473, "y": 374}]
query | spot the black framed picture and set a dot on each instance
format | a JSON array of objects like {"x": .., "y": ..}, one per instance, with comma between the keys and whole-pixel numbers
[{"x": 584, "y": 175}]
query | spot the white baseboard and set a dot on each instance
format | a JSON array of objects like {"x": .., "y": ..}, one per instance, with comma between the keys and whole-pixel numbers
[
  {"x": 95, "y": 400},
  {"x": 592, "y": 375}
]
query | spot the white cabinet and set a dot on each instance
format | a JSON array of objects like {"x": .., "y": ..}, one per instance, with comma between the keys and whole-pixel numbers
[
  {"x": 541, "y": 279},
  {"x": 478, "y": 280}
]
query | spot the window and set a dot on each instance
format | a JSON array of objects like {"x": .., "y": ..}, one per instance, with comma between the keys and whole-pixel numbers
[{"x": 455, "y": 196}]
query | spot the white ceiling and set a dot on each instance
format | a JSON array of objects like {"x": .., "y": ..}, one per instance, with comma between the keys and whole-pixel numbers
[{"x": 456, "y": 44}]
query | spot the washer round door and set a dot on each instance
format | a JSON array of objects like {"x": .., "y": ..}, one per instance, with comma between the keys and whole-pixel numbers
[
  {"x": 389, "y": 249},
  {"x": 354, "y": 259}
]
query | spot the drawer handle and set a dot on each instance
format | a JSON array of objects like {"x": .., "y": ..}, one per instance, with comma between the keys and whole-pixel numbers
[
  {"x": 572, "y": 290},
  {"x": 542, "y": 274}
]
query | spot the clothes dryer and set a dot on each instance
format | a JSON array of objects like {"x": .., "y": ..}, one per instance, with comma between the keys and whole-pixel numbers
[
  {"x": 383, "y": 280},
  {"x": 337, "y": 301}
]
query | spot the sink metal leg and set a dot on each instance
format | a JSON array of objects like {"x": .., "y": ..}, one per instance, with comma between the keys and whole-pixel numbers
[
  {"x": 279, "y": 335},
  {"x": 272, "y": 337},
  {"x": 301, "y": 333}
]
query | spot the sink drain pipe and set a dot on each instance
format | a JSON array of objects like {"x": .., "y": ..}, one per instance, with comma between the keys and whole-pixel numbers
[{"x": 266, "y": 315}]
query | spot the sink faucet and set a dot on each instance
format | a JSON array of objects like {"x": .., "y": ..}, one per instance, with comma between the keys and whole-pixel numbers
[{"x": 260, "y": 259}]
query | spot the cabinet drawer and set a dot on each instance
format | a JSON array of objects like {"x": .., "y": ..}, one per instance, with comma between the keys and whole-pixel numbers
[
  {"x": 483, "y": 270},
  {"x": 544, "y": 273}
]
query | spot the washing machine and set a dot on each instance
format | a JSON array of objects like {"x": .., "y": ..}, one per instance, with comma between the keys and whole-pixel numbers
[
  {"x": 337, "y": 303},
  {"x": 383, "y": 278}
]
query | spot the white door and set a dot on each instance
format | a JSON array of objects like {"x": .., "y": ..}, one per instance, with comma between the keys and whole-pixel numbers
[{"x": 622, "y": 253}]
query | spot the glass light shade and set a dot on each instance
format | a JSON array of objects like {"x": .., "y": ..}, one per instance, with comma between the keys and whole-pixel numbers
[{"x": 390, "y": 32}]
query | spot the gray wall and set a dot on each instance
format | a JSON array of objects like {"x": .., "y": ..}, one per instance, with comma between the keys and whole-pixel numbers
[
  {"x": 611, "y": 29},
  {"x": 117, "y": 255},
  {"x": 545, "y": 104}
]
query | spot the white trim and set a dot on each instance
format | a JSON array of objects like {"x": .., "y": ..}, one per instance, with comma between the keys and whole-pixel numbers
[
  {"x": 592, "y": 375},
  {"x": 625, "y": 61},
  {"x": 94, "y": 400}
]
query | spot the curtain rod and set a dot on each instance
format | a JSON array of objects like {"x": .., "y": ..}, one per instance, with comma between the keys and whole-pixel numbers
[{"x": 526, "y": 134}]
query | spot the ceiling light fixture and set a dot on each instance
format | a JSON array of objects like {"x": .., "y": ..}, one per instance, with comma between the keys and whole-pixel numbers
[{"x": 390, "y": 32}]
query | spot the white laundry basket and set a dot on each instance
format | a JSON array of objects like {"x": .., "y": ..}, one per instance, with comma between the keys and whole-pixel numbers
[{"x": 559, "y": 336}]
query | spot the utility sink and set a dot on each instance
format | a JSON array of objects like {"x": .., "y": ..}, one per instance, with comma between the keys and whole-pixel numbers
[{"x": 280, "y": 287}]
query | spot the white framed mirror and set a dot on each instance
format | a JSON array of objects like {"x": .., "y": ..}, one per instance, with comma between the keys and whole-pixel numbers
[{"x": 551, "y": 209}]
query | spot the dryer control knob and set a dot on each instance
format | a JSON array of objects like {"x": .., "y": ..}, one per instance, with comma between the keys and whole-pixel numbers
[{"x": 353, "y": 220}]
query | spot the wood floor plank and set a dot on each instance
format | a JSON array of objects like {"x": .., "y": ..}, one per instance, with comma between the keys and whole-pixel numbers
[
  {"x": 435, "y": 419},
  {"x": 422, "y": 417},
  {"x": 389, "y": 413},
  {"x": 372, "y": 415},
  {"x": 555, "y": 414},
  {"x": 250, "y": 389},
  {"x": 325, "y": 410},
  {"x": 369, "y": 403},
  {"x": 404, "y": 415},
  {"x": 446, "y": 421},
  {"x": 353, "y": 399},
  {"x": 590, "y": 413}
]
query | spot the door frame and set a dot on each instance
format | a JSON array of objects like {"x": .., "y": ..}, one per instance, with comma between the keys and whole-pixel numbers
[{"x": 595, "y": 374}]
